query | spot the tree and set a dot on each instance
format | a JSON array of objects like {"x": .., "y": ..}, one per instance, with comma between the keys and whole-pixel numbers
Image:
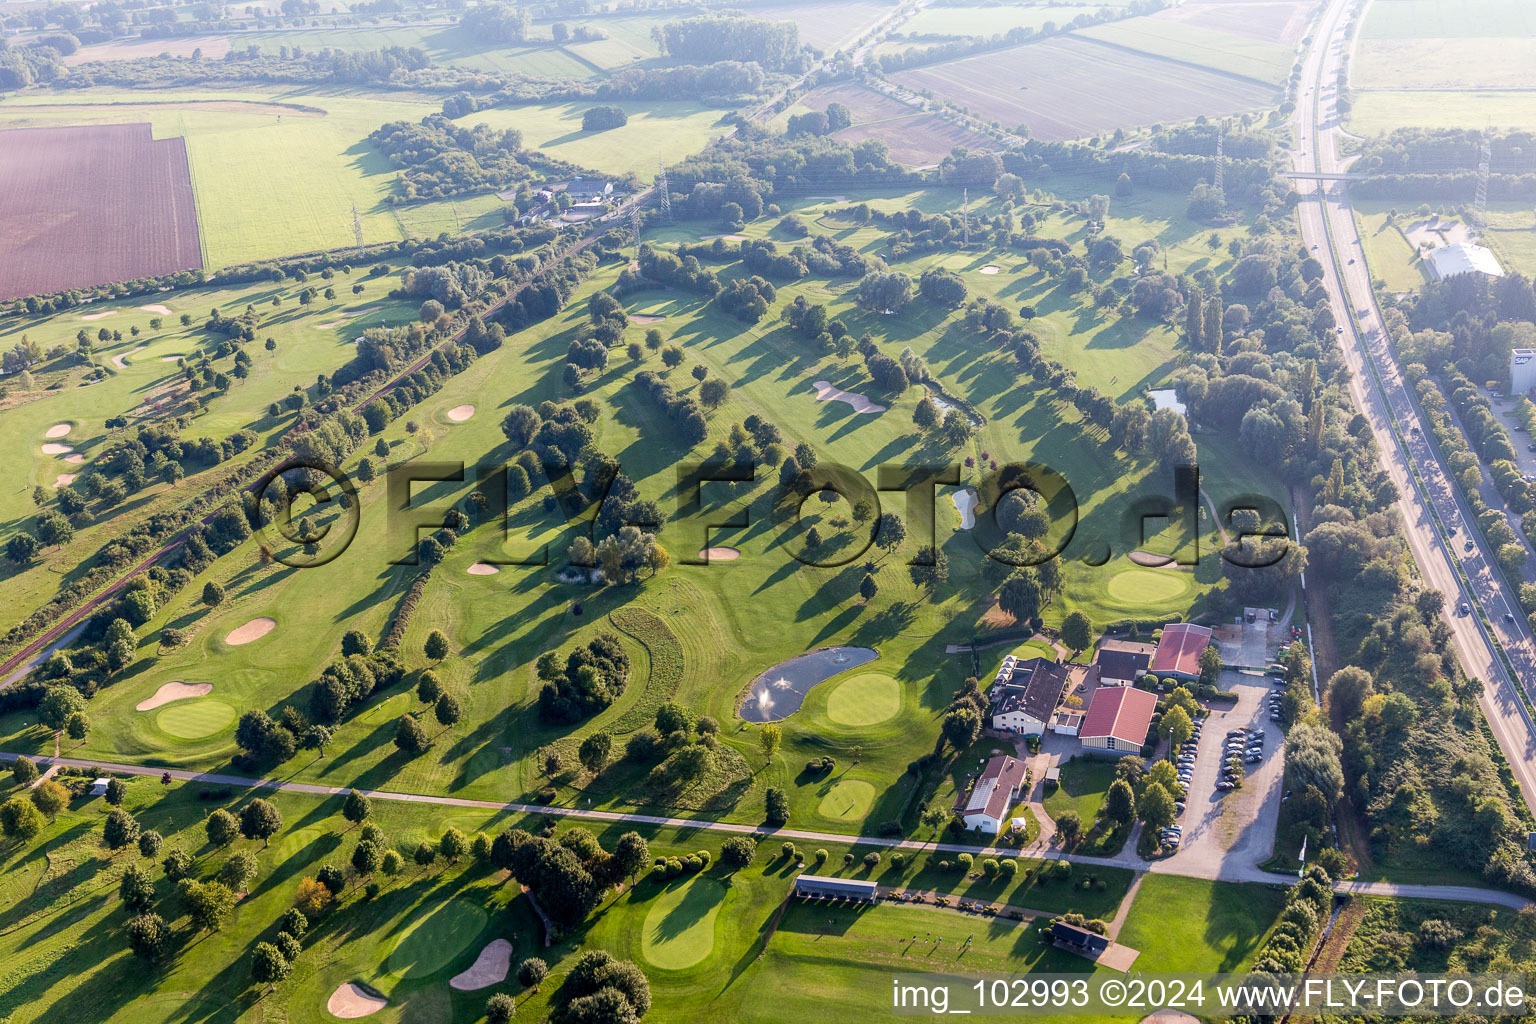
[
  {"x": 115, "y": 792},
  {"x": 425, "y": 854},
  {"x": 120, "y": 829},
  {"x": 1020, "y": 596},
  {"x": 356, "y": 808},
  {"x": 436, "y": 647},
  {"x": 24, "y": 771},
  {"x": 1175, "y": 726},
  {"x": 1119, "y": 804},
  {"x": 136, "y": 889},
  {"x": 21, "y": 548},
  {"x": 890, "y": 531},
  {"x": 150, "y": 843},
  {"x": 410, "y": 737},
  {"x": 392, "y": 863},
  {"x": 59, "y": 702},
  {"x": 50, "y": 797},
  {"x": 213, "y": 594},
  {"x": 631, "y": 854},
  {"x": 501, "y": 1008},
  {"x": 238, "y": 870},
  {"x": 453, "y": 844},
  {"x": 222, "y": 828},
  {"x": 177, "y": 864},
  {"x": 594, "y": 752},
  {"x": 532, "y": 971},
  {"x": 1069, "y": 827},
  {"x": 1077, "y": 632},
  {"x": 268, "y": 965},
  {"x": 366, "y": 858},
  {"x": 312, "y": 897},
  {"x": 737, "y": 852},
  {"x": 1156, "y": 806},
  {"x": 260, "y": 820},
  {"x": 447, "y": 710},
  {"x": 777, "y": 807},
  {"x": 208, "y": 903},
  {"x": 961, "y": 727},
  {"x": 148, "y": 936},
  {"x": 77, "y": 726},
  {"x": 20, "y": 820},
  {"x": 768, "y": 739},
  {"x": 428, "y": 687},
  {"x": 868, "y": 588}
]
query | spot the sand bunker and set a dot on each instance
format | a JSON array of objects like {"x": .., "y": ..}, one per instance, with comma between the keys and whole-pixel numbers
[
  {"x": 645, "y": 318},
  {"x": 349, "y": 1002},
  {"x": 481, "y": 569},
  {"x": 728, "y": 238},
  {"x": 965, "y": 503},
  {"x": 991, "y": 268},
  {"x": 253, "y": 630},
  {"x": 76, "y": 458},
  {"x": 719, "y": 554},
  {"x": 825, "y": 392},
  {"x": 98, "y": 316},
  {"x": 460, "y": 413},
  {"x": 1149, "y": 560},
  {"x": 490, "y": 968},
  {"x": 118, "y": 361},
  {"x": 57, "y": 449},
  {"x": 64, "y": 480},
  {"x": 174, "y": 691},
  {"x": 155, "y": 307},
  {"x": 58, "y": 430}
]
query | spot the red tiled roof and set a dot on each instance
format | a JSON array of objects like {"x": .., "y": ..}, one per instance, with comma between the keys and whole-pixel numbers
[
  {"x": 1123, "y": 712},
  {"x": 993, "y": 793},
  {"x": 1179, "y": 649}
]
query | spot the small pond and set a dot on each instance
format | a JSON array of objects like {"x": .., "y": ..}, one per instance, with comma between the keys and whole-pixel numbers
[
  {"x": 1167, "y": 398},
  {"x": 778, "y": 692}
]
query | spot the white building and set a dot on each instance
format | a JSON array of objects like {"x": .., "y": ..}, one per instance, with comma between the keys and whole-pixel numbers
[
  {"x": 992, "y": 799},
  {"x": 1462, "y": 258},
  {"x": 1522, "y": 370},
  {"x": 1025, "y": 694}
]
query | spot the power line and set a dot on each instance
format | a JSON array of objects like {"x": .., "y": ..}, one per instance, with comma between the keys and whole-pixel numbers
[{"x": 663, "y": 190}]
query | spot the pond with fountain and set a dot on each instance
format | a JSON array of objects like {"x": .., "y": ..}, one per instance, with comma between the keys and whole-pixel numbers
[{"x": 778, "y": 692}]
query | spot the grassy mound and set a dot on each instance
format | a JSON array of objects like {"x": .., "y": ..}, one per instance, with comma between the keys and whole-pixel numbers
[
  {"x": 430, "y": 942},
  {"x": 864, "y": 699},
  {"x": 666, "y": 655},
  {"x": 196, "y": 719},
  {"x": 680, "y": 928}
]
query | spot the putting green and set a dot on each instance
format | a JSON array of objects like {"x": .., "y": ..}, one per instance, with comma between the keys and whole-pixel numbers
[
  {"x": 680, "y": 928},
  {"x": 196, "y": 719},
  {"x": 848, "y": 800},
  {"x": 1147, "y": 586},
  {"x": 429, "y": 943},
  {"x": 864, "y": 699}
]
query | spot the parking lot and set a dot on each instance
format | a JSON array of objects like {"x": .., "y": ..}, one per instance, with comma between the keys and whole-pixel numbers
[{"x": 1240, "y": 823}]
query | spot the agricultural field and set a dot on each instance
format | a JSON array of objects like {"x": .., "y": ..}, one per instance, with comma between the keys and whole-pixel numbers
[
  {"x": 914, "y": 138},
  {"x": 1283, "y": 22},
  {"x": 1422, "y": 64},
  {"x": 65, "y": 224},
  {"x": 212, "y": 47},
  {"x": 1189, "y": 42},
  {"x": 447, "y": 45},
  {"x": 827, "y": 26},
  {"x": 1066, "y": 88}
]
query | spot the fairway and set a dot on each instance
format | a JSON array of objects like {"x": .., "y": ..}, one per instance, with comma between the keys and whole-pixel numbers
[
  {"x": 429, "y": 943},
  {"x": 1190, "y": 924},
  {"x": 1148, "y": 586},
  {"x": 196, "y": 719},
  {"x": 864, "y": 699},
  {"x": 680, "y": 927},
  {"x": 848, "y": 799}
]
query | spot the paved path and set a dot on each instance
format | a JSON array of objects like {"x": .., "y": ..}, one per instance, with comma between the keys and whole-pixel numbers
[{"x": 1127, "y": 858}]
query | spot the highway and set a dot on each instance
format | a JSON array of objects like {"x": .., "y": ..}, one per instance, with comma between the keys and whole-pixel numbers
[{"x": 1427, "y": 500}]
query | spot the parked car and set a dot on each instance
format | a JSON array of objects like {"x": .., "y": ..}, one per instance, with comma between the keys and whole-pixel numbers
[
  {"x": 1254, "y": 758},
  {"x": 1224, "y": 785},
  {"x": 1237, "y": 732}
]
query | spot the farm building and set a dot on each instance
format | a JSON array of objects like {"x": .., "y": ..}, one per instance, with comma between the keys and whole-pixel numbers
[
  {"x": 1122, "y": 662},
  {"x": 1462, "y": 258},
  {"x": 1522, "y": 371},
  {"x": 1178, "y": 652},
  {"x": 1025, "y": 694},
  {"x": 993, "y": 795},
  {"x": 1118, "y": 719},
  {"x": 589, "y": 189},
  {"x": 822, "y": 887}
]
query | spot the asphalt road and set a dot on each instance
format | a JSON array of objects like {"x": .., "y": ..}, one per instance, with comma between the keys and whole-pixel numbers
[
  {"x": 1383, "y": 396},
  {"x": 1229, "y": 870}
]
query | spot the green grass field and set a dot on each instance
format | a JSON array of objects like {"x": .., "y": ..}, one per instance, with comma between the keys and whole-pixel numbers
[
  {"x": 680, "y": 924},
  {"x": 990, "y": 20},
  {"x": 1084, "y": 780},
  {"x": 1425, "y": 19},
  {"x": 1191, "y": 925},
  {"x": 1379, "y": 112},
  {"x": 864, "y": 700},
  {"x": 1388, "y": 253}
]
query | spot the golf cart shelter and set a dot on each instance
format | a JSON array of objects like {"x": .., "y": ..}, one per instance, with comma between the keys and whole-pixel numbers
[
  {"x": 1079, "y": 940},
  {"x": 823, "y": 887}
]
